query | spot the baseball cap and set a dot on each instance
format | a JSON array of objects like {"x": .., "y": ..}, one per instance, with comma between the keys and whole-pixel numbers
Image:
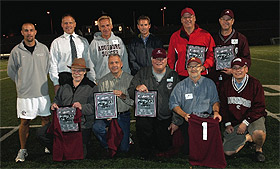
[
  {"x": 159, "y": 53},
  {"x": 187, "y": 10},
  {"x": 194, "y": 59},
  {"x": 238, "y": 61},
  {"x": 227, "y": 12}
]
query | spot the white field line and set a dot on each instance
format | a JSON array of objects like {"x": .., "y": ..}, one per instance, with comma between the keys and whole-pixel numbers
[
  {"x": 272, "y": 61},
  {"x": 15, "y": 128},
  {"x": 4, "y": 78}
]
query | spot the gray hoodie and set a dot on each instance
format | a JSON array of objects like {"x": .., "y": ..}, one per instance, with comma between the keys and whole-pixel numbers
[
  {"x": 29, "y": 71},
  {"x": 100, "y": 49}
]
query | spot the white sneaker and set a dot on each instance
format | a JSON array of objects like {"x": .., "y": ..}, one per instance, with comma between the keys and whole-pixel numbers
[
  {"x": 22, "y": 153},
  {"x": 47, "y": 151}
]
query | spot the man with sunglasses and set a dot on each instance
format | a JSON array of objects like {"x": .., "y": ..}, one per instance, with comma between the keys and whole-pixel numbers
[
  {"x": 243, "y": 110},
  {"x": 230, "y": 39}
]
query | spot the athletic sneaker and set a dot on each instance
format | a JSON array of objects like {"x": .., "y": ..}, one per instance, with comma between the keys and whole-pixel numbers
[
  {"x": 47, "y": 151},
  {"x": 22, "y": 153}
]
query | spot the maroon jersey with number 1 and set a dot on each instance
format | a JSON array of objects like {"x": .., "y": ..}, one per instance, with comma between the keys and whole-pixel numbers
[{"x": 205, "y": 141}]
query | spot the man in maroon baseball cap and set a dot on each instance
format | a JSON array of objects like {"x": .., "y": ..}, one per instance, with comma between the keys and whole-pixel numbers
[
  {"x": 156, "y": 132},
  {"x": 239, "y": 61},
  {"x": 243, "y": 106},
  {"x": 230, "y": 40},
  {"x": 227, "y": 12}
]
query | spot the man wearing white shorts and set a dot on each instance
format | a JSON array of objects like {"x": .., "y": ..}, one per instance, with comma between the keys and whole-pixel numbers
[{"x": 28, "y": 67}]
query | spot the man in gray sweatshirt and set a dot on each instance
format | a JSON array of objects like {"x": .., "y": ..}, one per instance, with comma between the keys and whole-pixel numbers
[
  {"x": 104, "y": 44},
  {"x": 28, "y": 67}
]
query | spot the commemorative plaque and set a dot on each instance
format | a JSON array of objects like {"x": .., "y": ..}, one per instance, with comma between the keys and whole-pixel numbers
[
  {"x": 105, "y": 105},
  {"x": 65, "y": 117},
  {"x": 195, "y": 51},
  {"x": 145, "y": 104},
  {"x": 223, "y": 56}
]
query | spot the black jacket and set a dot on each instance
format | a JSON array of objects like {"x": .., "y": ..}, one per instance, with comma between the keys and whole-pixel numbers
[
  {"x": 164, "y": 89},
  {"x": 139, "y": 54},
  {"x": 83, "y": 93}
]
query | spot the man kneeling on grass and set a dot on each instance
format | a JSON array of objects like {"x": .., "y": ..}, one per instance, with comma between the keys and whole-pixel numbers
[
  {"x": 77, "y": 92},
  {"x": 243, "y": 109}
]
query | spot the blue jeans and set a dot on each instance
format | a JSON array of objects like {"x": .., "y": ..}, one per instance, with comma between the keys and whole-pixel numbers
[{"x": 99, "y": 129}]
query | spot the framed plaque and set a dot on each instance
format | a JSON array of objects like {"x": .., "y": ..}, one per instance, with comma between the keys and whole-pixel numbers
[
  {"x": 65, "y": 117},
  {"x": 223, "y": 56},
  {"x": 145, "y": 104},
  {"x": 195, "y": 51},
  {"x": 105, "y": 105}
]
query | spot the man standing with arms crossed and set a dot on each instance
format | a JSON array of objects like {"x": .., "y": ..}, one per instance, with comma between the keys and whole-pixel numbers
[{"x": 28, "y": 67}]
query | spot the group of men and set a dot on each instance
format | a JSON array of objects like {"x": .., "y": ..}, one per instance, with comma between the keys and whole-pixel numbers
[{"x": 191, "y": 91}]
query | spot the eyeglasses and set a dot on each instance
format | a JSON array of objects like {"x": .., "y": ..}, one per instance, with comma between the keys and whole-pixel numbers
[
  {"x": 78, "y": 70},
  {"x": 193, "y": 67},
  {"x": 237, "y": 68},
  {"x": 226, "y": 19},
  {"x": 159, "y": 59}
]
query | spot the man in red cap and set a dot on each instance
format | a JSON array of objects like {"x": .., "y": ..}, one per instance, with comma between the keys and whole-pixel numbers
[
  {"x": 196, "y": 100},
  {"x": 243, "y": 110},
  {"x": 189, "y": 41},
  {"x": 230, "y": 43},
  {"x": 156, "y": 132}
]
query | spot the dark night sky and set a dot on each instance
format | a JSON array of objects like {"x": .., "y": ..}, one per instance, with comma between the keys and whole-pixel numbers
[{"x": 14, "y": 13}]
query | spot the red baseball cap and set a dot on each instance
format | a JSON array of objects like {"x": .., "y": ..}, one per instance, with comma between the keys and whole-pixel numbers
[
  {"x": 194, "y": 59},
  {"x": 239, "y": 61},
  {"x": 159, "y": 53},
  {"x": 227, "y": 12},
  {"x": 187, "y": 10}
]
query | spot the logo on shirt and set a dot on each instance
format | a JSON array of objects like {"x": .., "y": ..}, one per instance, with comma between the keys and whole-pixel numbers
[
  {"x": 106, "y": 50},
  {"x": 40, "y": 54},
  {"x": 169, "y": 85},
  {"x": 239, "y": 101},
  {"x": 23, "y": 113}
]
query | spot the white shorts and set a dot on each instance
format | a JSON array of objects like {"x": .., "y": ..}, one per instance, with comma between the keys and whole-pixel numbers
[{"x": 30, "y": 108}]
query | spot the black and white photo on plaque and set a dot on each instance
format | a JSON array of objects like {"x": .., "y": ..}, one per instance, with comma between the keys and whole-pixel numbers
[
  {"x": 105, "y": 105},
  {"x": 223, "y": 56},
  {"x": 146, "y": 104},
  {"x": 66, "y": 117},
  {"x": 195, "y": 51}
]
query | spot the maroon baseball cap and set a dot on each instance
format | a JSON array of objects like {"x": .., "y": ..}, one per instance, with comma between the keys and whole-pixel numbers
[
  {"x": 227, "y": 12},
  {"x": 194, "y": 59},
  {"x": 187, "y": 10},
  {"x": 239, "y": 61},
  {"x": 159, "y": 53}
]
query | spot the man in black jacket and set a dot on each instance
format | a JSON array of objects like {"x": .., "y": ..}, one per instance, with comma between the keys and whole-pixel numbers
[
  {"x": 141, "y": 47},
  {"x": 156, "y": 132},
  {"x": 78, "y": 92}
]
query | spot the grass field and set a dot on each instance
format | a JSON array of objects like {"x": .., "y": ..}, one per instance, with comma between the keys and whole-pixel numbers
[{"x": 265, "y": 67}]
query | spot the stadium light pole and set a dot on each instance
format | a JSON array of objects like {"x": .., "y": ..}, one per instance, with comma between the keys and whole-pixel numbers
[
  {"x": 163, "y": 9},
  {"x": 49, "y": 13}
]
